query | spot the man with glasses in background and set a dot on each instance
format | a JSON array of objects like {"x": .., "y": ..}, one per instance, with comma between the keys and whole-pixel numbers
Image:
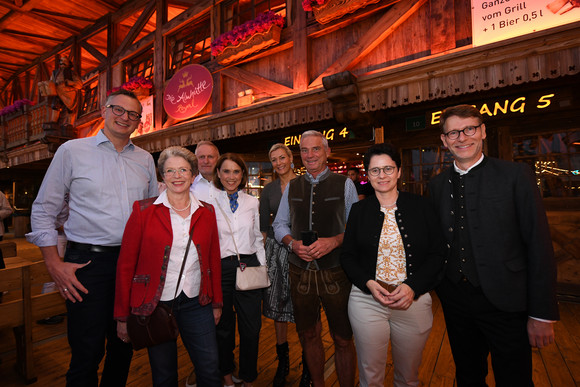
[
  {"x": 102, "y": 175},
  {"x": 499, "y": 287}
]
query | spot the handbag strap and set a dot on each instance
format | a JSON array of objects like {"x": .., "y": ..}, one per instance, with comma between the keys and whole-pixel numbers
[
  {"x": 182, "y": 267},
  {"x": 230, "y": 227}
]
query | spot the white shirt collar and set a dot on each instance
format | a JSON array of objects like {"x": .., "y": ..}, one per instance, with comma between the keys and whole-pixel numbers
[
  {"x": 463, "y": 172},
  {"x": 163, "y": 199}
]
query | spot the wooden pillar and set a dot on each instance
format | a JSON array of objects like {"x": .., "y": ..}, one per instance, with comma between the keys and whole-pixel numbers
[
  {"x": 442, "y": 25},
  {"x": 113, "y": 40},
  {"x": 159, "y": 62},
  {"x": 217, "y": 94},
  {"x": 300, "y": 49}
]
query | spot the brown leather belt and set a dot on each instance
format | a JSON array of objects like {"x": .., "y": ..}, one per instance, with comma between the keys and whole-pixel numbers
[{"x": 388, "y": 287}]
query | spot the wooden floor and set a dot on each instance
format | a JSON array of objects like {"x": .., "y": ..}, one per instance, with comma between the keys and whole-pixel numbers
[{"x": 557, "y": 365}]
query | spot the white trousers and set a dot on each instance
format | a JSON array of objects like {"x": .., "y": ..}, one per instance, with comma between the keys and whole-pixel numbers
[{"x": 373, "y": 325}]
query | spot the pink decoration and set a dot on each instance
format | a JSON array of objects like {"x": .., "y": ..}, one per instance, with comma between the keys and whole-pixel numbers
[
  {"x": 133, "y": 84},
  {"x": 262, "y": 23},
  {"x": 307, "y": 4},
  {"x": 16, "y": 106}
]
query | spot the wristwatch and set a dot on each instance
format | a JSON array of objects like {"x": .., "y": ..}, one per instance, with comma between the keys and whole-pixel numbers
[{"x": 289, "y": 245}]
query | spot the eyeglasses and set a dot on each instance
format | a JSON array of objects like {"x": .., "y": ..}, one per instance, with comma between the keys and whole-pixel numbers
[
  {"x": 388, "y": 170},
  {"x": 176, "y": 172},
  {"x": 119, "y": 111},
  {"x": 468, "y": 131}
]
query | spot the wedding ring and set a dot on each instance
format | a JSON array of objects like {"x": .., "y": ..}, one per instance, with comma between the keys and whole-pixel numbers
[{"x": 65, "y": 290}]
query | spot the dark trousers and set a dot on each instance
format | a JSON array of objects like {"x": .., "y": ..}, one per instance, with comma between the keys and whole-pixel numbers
[
  {"x": 197, "y": 331},
  {"x": 477, "y": 328},
  {"x": 92, "y": 332},
  {"x": 246, "y": 306}
]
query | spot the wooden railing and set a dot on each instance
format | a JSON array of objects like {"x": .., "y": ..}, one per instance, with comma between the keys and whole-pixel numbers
[
  {"x": 25, "y": 126},
  {"x": 23, "y": 304}
]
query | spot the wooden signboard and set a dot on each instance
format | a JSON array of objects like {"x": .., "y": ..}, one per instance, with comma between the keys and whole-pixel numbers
[{"x": 188, "y": 92}]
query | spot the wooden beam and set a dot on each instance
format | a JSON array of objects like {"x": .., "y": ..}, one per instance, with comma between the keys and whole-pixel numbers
[
  {"x": 159, "y": 61},
  {"x": 18, "y": 35},
  {"x": 299, "y": 50},
  {"x": 196, "y": 11},
  {"x": 8, "y": 49},
  {"x": 131, "y": 50},
  {"x": 217, "y": 94},
  {"x": 256, "y": 81},
  {"x": 128, "y": 9},
  {"x": 55, "y": 23},
  {"x": 93, "y": 51},
  {"x": 385, "y": 26},
  {"x": 442, "y": 21},
  {"x": 10, "y": 64},
  {"x": 63, "y": 15},
  {"x": 37, "y": 78},
  {"x": 137, "y": 27},
  {"x": 3, "y": 67}
]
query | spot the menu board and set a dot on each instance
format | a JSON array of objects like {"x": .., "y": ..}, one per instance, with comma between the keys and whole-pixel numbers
[{"x": 497, "y": 20}]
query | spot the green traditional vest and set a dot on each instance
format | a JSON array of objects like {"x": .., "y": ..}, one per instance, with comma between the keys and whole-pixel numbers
[{"x": 319, "y": 207}]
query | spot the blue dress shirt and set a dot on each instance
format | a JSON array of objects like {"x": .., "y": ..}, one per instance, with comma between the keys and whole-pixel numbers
[{"x": 102, "y": 185}]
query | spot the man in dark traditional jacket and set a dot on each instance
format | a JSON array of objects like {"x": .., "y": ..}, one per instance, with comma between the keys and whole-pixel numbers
[{"x": 499, "y": 289}]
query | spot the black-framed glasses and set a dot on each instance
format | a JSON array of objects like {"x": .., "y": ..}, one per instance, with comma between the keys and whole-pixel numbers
[
  {"x": 119, "y": 111},
  {"x": 468, "y": 131},
  {"x": 175, "y": 172},
  {"x": 388, "y": 170}
]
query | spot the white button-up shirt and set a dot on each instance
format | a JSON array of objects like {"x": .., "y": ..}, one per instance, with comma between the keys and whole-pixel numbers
[
  {"x": 191, "y": 277},
  {"x": 202, "y": 189},
  {"x": 245, "y": 224}
]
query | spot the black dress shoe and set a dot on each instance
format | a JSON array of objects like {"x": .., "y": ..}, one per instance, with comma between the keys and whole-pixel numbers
[{"x": 51, "y": 320}]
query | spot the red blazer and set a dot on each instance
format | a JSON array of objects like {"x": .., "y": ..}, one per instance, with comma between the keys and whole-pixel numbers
[{"x": 142, "y": 264}]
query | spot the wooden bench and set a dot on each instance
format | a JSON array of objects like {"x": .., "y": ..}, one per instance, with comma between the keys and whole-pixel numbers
[
  {"x": 8, "y": 249},
  {"x": 23, "y": 305}
]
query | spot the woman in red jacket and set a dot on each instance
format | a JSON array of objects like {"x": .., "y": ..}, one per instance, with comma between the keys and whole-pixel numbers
[{"x": 153, "y": 249}]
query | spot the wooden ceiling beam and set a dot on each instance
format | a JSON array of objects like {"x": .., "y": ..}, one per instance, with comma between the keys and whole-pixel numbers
[
  {"x": 133, "y": 49},
  {"x": 128, "y": 9},
  {"x": 18, "y": 57},
  {"x": 10, "y": 64},
  {"x": 93, "y": 51},
  {"x": 384, "y": 27},
  {"x": 18, "y": 35},
  {"x": 64, "y": 15},
  {"x": 2, "y": 67},
  {"x": 198, "y": 10},
  {"x": 15, "y": 11},
  {"x": 137, "y": 27},
  {"x": 110, "y": 5},
  {"x": 55, "y": 23},
  {"x": 9, "y": 49},
  {"x": 256, "y": 81}
]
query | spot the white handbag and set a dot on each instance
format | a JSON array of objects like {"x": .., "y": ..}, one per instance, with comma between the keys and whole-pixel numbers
[{"x": 247, "y": 277}]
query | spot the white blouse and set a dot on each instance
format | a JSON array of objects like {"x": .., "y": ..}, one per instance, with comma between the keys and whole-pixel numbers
[
  {"x": 245, "y": 223},
  {"x": 191, "y": 277}
]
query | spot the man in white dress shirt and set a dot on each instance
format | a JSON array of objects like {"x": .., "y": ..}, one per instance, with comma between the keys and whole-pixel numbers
[{"x": 207, "y": 156}]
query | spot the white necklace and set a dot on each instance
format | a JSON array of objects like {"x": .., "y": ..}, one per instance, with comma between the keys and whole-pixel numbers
[
  {"x": 392, "y": 204},
  {"x": 180, "y": 209}
]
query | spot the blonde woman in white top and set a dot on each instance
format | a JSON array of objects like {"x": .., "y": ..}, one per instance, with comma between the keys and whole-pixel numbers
[{"x": 239, "y": 232}]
